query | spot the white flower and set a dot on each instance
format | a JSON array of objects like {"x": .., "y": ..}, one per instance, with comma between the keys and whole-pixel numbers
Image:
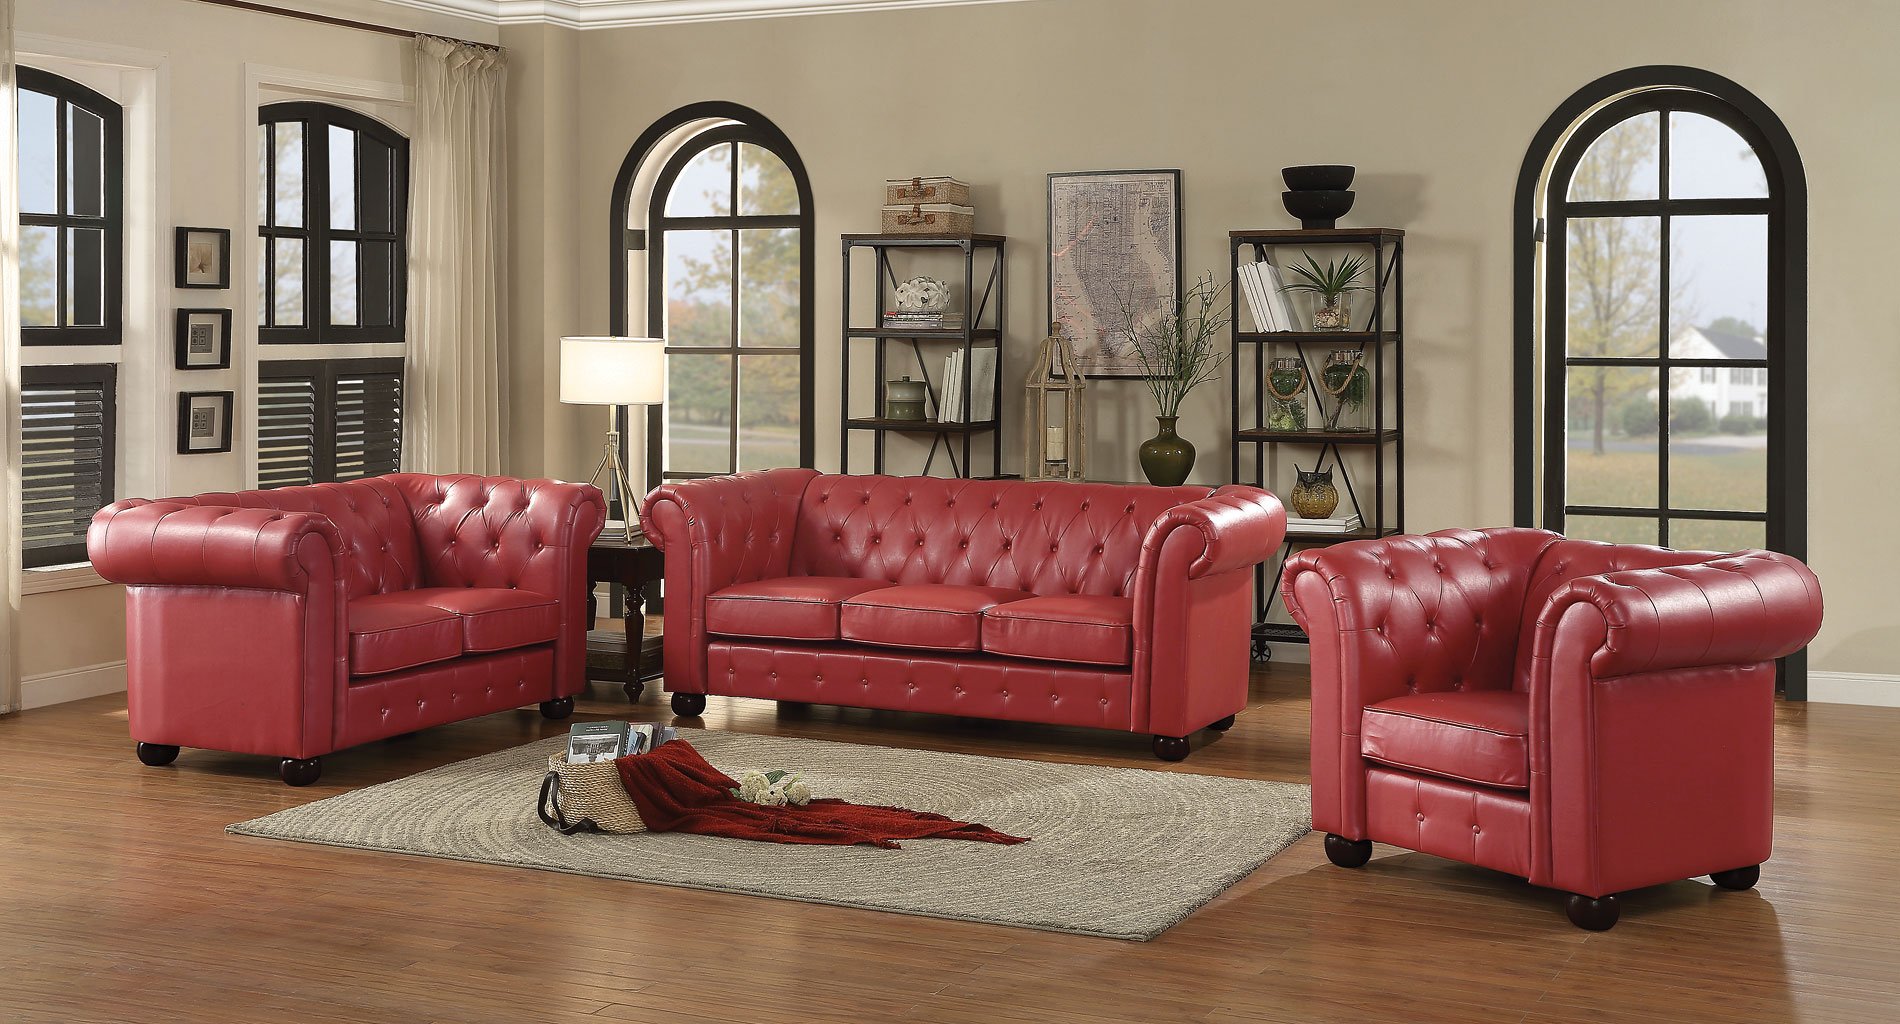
[
  {"x": 797, "y": 792},
  {"x": 753, "y": 786}
]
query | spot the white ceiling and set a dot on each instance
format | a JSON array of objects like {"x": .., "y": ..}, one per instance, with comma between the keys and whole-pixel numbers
[{"x": 627, "y": 13}]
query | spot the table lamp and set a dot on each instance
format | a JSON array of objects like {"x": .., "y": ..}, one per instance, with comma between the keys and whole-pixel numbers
[{"x": 612, "y": 372}]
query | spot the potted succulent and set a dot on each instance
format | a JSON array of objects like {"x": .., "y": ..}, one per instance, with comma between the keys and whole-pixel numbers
[
  {"x": 1329, "y": 286},
  {"x": 1177, "y": 353}
]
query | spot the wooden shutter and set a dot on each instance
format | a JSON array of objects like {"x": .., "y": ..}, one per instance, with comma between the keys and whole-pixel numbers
[
  {"x": 321, "y": 420},
  {"x": 67, "y": 449},
  {"x": 287, "y": 427}
]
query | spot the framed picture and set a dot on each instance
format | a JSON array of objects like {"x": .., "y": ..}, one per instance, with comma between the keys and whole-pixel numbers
[
  {"x": 1114, "y": 242},
  {"x": 202, "y": 340},
  {"x": 204, "y": 422},
  {"x": 203, "y": 258}
]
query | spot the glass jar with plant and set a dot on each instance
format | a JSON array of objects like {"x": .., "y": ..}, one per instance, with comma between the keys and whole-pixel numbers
[
  {"x": 1177, "y": 353},
  {"x": 1329, "y": 286},
  {"x": 1347, "y": 380},
  {"x": 1286, "y": 395}
]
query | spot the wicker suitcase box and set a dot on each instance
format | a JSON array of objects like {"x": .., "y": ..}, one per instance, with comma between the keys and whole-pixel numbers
[
  {"x": 929, "y": 219},
  {"x": 913, "y": 191}
]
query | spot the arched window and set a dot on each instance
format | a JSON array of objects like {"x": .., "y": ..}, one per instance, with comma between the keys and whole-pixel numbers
[
  {"x": 712, "y": 227},
  {"x": 72, "y": 267},
  {"x": 1661, "y": 318}
]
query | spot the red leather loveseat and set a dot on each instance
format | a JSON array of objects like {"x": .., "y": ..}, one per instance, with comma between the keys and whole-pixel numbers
[
  {"x": 299, "y": 621},
  {"x": 1112, "y": 606},
  {"x": 1593, "y": 717}
]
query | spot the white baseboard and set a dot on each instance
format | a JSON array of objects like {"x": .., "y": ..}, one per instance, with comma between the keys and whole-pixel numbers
[
  {"x": 72, "y": 684},
  {"x": 1876, "y": 689},
  {"x": 1291, "y": 654}
]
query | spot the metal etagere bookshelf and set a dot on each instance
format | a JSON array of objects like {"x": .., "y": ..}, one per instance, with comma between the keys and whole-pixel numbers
[
  {"x": 1379, "y": 450},
  {"x": 982, "y": 325}
]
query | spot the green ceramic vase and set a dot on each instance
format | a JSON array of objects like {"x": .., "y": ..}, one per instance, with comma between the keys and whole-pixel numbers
[{"x": 1167, "y": 458}]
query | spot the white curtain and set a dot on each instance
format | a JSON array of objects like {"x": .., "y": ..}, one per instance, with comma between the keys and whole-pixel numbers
[
  {"x": 9, "y": 374},
  {"x": 454, "y": 373}
]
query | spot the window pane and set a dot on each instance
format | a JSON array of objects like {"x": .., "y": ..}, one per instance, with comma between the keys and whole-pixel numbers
[
  {"x": 704, "y": 187},
  {"x": 1716, "y": 535},
  {"x": 766, "y": 185},
  {"x": 264, "y": 147},
  {"x": 1622, "y": 163},
  {"x": 86, "y": 142},
  {"x": 373, "y": 284},
  {"x": 288, "y": 277},
  {"x": 768, "y": 411},
  {"x": 39, "y": 276},
  {"x": 1707, "y": 160},
  {"x": 1718, "y": 274},
  {"x": 1610, "y": 443},
  {"x": 376, "y": 201},
  {"x": 343, "y": 283},
  {"x": 1615, "y": 529},
  {"x": 39, "y": 153},
  {"x": 1718, "y": 441},
  {"x": 342, "y": 179},
  {"x": 1613, "y": 285},
  {"x": 698, "y": 413},
  {"x": 768, "y": 287},
  {"x": 85, "y": 277},
  {"x": 699, "y": 288},
  {"x": 289, "y": 197}
]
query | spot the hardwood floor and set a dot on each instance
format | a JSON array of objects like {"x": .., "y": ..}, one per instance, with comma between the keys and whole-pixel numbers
[{"x": 121, "y": 899}]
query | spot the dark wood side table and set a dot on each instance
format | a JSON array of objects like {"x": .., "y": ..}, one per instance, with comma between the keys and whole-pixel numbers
[{"x": 632, "y": 657}]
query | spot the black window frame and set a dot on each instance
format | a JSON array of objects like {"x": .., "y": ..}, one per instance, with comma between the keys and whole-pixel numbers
[
  {"x": 317, "y": 233},
  {"x": 1542, "y": 205},
  {"x": 745, "y": 126},
  {"x": 106, "y": 376},
  {"x": 112, "y": 221}
]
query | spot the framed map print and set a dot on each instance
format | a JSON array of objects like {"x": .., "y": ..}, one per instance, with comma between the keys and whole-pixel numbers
[{"x": 1114, "y": 238}]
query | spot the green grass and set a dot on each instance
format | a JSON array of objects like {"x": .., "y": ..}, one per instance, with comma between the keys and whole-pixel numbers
[{"x": 1728, "y": 481}]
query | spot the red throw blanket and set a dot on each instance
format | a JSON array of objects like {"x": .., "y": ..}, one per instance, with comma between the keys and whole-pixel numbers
[{"x": 678, "y": 791}]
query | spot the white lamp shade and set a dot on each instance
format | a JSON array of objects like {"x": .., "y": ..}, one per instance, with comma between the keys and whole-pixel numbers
[{"x": 613, "y": 371}]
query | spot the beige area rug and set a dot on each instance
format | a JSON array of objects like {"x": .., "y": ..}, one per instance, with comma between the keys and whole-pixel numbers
[{"x": 1116, "y": 852}]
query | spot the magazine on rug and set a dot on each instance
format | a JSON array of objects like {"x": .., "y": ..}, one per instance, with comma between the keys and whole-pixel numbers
[{"x": 589, "y": 742}]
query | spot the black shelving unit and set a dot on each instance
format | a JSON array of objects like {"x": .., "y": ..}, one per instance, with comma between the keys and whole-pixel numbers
[
  {"x": 1382, "y": 508},
  {"x": 982, "y": 325}
]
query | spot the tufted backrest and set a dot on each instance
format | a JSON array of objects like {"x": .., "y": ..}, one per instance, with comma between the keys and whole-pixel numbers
[
  {"x": 475, "y": 531},
  {"x": 1568, "y": 560},
  {"x": 370, "y": 515},
  {"x": 1045, "y": 537}
]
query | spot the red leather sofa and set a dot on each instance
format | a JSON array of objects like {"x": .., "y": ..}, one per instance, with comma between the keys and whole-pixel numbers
[
  {"x": 1112, "y": 606},
  {"x": 299, "y": 621},
  {"x": 1593, "y": 717}
]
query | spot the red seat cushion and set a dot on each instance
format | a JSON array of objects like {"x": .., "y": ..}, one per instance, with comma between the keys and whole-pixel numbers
[
  {"x": 496, "y": 618},
  {"x": 391, "y": 632},
  {"x": 786, "y": 608},
  {"x": 1063, "y": 627},
  {"x": 1480, "y": 736},
  {"x": 923, "y": 616}
]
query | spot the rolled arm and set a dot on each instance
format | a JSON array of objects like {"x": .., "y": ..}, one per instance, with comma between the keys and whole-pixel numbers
[
  {"x": 185, "y": 544},
  {"x": 1752, "y": 607},
  {"x": 1238, "y": 527}
]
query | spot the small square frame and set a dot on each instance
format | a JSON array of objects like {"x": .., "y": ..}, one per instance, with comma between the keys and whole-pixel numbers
[
  {"x": 202, "y": 276},
  {"x": 182, "y": 355},
  {"x": 220, "y": 405}
]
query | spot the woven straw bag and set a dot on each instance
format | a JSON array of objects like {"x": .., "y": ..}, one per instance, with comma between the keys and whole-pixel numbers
[{"x": 586, "y": 797}]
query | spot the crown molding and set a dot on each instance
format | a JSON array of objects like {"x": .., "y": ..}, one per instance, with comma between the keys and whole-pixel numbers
[{"x": 600, "y": 14}]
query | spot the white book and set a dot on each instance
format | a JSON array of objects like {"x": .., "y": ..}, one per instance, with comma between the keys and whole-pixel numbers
[
  {"x": 950, "y": 410},
  {"x": 1277, "y": 294},
  {"x": 1257, "y": 304},
  {"x": 1345, "y": 525},
  {"x": 982, "y": 385},
  {"x": 1254, "y": 312}
]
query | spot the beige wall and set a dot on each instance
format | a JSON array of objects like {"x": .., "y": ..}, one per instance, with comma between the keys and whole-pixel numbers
[
  {"x": 1435, "y": 103},
  {"x": 196, "y": 57}
]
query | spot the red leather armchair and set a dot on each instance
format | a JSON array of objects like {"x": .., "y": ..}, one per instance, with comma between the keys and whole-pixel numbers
[
  {"x": 1593, "y": 717},
  {"x": 299, "y": 621},
  {"x": 1111, "y": 606}
]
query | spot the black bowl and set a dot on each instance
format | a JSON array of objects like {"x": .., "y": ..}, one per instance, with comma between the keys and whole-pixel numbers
[
  {"x": 1319, "y": 209},
  {"x": 1318, "y": 177}
]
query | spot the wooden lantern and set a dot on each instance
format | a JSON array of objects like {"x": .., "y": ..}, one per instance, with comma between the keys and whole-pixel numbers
[{"x": 1055, "y": 431}]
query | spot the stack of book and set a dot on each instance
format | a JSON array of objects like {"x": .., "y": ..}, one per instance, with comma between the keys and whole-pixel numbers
[
  {"x": 980, "y": 368},
  {"x": 1341, "y": 524},
  {"x": 1264, "y": 291},
  {"x": 589, "y": 742},
  {"x": 918, "y": 320}
]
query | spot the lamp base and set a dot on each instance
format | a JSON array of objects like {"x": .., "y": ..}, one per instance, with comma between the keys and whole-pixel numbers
[{"x": 617, "y": 483}]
